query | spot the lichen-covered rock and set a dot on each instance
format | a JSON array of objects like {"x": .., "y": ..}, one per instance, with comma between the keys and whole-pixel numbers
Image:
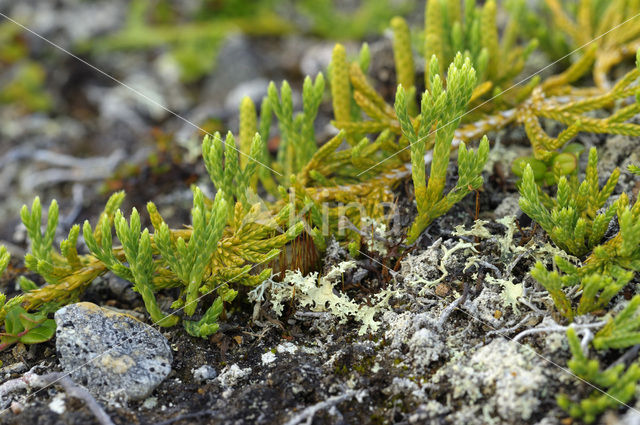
[
  {"x": 229, "y": 377},
  {"x": 503, "y": 377},
  {"x": 204, "y": 373},
  {"x": 414, "y": 339},
  {"x": 110, "y": 353},
  {"x": 508, "y": 206}
]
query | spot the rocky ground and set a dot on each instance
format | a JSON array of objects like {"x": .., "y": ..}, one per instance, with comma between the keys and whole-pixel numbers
[{"x": 445, "y": 346}]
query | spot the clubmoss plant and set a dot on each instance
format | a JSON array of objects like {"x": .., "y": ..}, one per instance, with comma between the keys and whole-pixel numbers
[
  {"x": 298, "y": 140},
  {"x": 220, "y": 248},
  {"x": 139, "y": 255},
  {"x": 5, "y": 257},
  {"x": 441, "y": 110},
  {"x": 597, "y": 289},
  {"x": 223, "y": 162},
  {"x": 563, "y": 26},
  {"x": 554, "y": 99},
  {"x": 403, "y": 56},
  {"x": 623, "y": 249},
  {"x": 574, "y": 225},
  {"x": 606, "y": 270},
  {"x": 472, "y": 29},
  {"x": 619, "y": 384},
  {"x": 189, "y": 261},
  {"x": 571, "y": 219},
  {"x": 623, "y": 330}
]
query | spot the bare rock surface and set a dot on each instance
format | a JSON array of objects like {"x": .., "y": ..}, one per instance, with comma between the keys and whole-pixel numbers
[{"x": 110, "y": 353}]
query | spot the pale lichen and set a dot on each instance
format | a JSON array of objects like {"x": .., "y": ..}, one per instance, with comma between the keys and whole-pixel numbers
[
  {"x": 507, "y": 377},
  {"x": 319, "y": 295}
]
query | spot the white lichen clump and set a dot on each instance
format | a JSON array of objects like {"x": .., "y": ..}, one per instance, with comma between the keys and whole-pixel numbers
[
  {"x": 505, "y": 377},
  {"x": 317, "y": 294},
  {"x": 418, "y": 332},
  {"x": 230, "y": 375}
]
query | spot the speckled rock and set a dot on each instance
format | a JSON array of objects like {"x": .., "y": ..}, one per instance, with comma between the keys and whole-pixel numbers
[
  {"x": 112, "y": 354},
  {"x": 204, "y": 373}
]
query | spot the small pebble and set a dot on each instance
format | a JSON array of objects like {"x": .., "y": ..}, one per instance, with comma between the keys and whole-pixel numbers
[
  {"x": 204, "y": 373},
  {"x": 442, "y": 290},
  {"x": 13, "y": 368},
  {"x": 112, "y": 354},
  {"x": 268, "y": 357},
  {"x": 287, "y": 347},
  {"x": 150, "y": 403},
  {"x": 16, "y": 407},
  {"x": 57, "y": 405}
]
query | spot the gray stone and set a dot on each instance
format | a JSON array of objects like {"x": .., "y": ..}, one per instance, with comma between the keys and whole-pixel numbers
[
  {"x": 316, "y": 59},
  {"x": 508, "y": 206},
  {"x": 204, "y": 373},
  {"x": 112, "y": 354},
  {"x": 255, "y": 89},
  {"x": 238, "y": 64}
]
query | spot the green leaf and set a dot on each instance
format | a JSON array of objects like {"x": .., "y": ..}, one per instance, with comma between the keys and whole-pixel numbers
[
  {"x": 41, "y": 333},
  {"x": 538, "y": 167},
  {"x": 12, "y": 323},
  {"x": 564, "y": 163},
  {"x": 28, "y": 328}
]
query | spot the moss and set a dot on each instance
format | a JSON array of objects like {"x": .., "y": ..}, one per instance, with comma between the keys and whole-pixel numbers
[
  {"x": 341, "y": 370},
  {"x": 364, "y": 366}
]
